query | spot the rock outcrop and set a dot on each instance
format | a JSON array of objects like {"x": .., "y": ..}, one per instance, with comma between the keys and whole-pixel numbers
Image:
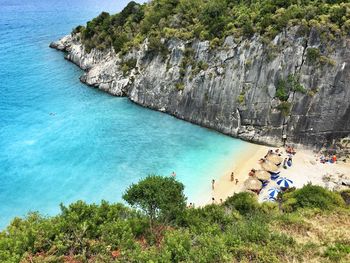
[{"x": 232, "y": 88}]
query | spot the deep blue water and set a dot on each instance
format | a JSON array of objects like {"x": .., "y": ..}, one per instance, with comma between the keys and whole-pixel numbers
[{"x": 95, "y": 145}]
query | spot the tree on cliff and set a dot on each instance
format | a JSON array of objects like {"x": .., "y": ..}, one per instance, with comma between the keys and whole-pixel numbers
[{"x": 161, "y": 198}]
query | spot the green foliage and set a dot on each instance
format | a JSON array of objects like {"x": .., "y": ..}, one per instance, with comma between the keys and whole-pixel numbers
[
  {"x": 241, "y": 98},
  {"x": 345, "y": 194},
  {"x": 244, "y": 203},
  {"x": 284, "y": 107},
  {"x": 157, "y": 46},
  {"x": 338, "y": 252},
  {"x": 312, "y": 55},
  {"x": 240, "y": 230},
  {"x": 311, "y": 196},
  {"x": 202, "y": 65},
  {"x": 213, "y": 21},
  {"x": 284, "y": 87},
  {"x": 159, "y": 197},
  {"x": 78, "y": 29},
  {"x": 180, "y": 86},
  {"x": 281, "y": 90},
  {"x": 248, "y": 63},
  {"x": 293, "y": 82},
  {"x": 127, "y": 65}
]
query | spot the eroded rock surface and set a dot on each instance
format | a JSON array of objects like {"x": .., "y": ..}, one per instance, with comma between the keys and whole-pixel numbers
[{"x": 232, "y": 88}]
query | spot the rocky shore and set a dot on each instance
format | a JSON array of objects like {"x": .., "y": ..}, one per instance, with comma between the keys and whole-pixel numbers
[{"x": 231, "y": 88}]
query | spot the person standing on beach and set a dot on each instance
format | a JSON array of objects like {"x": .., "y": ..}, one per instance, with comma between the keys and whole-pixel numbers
[
  {"x": 173, "y": 174},
  {"x": 285, "y": 163},
  {"x": 236, "y": 181},
  {"x": 284, "y": 139},
  {"x": 212, "y": 184},
  {"x": 232, "y": 177}
]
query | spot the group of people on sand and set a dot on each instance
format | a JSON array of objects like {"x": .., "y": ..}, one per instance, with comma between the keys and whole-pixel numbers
[
  {"x": 328, "y": 159},
  {"x": 273, "y": 159},
  {"x": 287, "y": 162},
  {"x": 232, "y": 177},
  {"x": 290, "y": 150}
]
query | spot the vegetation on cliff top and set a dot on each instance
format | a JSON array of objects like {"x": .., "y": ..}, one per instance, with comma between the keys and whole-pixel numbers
[
  {"x": 212, "y": 20},
  {"x": 310, "y": 225}
]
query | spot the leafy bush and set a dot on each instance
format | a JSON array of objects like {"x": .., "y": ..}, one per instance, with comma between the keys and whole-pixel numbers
[
  {"x": 284, "y": 107},
  {"x": 241, "y": 98},
  {"x": 345, "y": 194},
  {"x": 213, "y": 233},
  {"x": 293, "y": 82},
  {"x": 339, "y": 252},
  {"x": 281, "y": 91},
  {"x": 180, "y": 86},
  {"x": 78, "y": 29},
  {"x": 312, "y": 55},
  {"x": 311, "y": 196},
  {"x": 244, "y": 203},
  {"x": 159, "y": 197},
  {"x": 213, "y": 21}
]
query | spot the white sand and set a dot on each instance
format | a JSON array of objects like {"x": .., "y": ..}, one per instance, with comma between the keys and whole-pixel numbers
[{"x": 305, "y": 169}]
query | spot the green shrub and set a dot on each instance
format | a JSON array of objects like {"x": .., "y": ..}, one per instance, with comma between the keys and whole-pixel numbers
[
  {"x": 202, "y": 65},
  {"x": 281, "y": 91},
  {"x": 324, "y": 60},
  {"x": 284, "y": 107},
  {"x": 241, "y": 98},
  {"x": 248, "y": 63},
  {"x": 180, "y": 86},
  {"x": 294, "y": 84},
  {"x": 345, "y": 194},
  {"x": 127, "y": 65},
  {"x": 78, "y": 29},
  {"x": 245, "y": 203},
  {"x": 312, "y": 55},
  {"x": 339, "y": 252},
  {"x": 213, "y": 233},
  {"x": 177, "y": 243},
  {"x": 213, "y": 21},
  {"x": 214, "y": 43},
  {"x": 311, "y": 196},
  {"x": 159, "y": 197}
]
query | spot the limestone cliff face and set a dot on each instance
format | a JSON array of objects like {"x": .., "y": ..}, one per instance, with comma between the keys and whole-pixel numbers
[{"x": 234, "y": 89}]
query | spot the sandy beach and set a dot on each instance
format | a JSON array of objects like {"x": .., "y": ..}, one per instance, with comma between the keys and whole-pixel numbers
[{"x": 306, "y": 168}]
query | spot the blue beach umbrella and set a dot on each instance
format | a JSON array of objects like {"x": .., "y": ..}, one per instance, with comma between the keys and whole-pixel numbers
[
  {"x": 273, "y": 192},
  {"x": 284, "y": 182}
]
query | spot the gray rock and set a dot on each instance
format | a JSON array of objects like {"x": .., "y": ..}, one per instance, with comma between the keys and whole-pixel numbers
[{"x": 235, "y": 95}]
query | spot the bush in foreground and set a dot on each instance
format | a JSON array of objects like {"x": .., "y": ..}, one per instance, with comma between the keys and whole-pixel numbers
[
  {"x": 311, "y": 196},
  {"x": 240, "y": 230}
]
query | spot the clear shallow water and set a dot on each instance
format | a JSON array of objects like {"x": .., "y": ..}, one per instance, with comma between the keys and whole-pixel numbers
[{"x": 95, "y": 145}]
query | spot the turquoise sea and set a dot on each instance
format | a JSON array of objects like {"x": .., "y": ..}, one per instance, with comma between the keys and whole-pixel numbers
[{"x": 92, "y": 145}]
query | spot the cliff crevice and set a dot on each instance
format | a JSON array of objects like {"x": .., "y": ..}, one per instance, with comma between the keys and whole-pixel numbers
[{"x": 249, "y": 89}]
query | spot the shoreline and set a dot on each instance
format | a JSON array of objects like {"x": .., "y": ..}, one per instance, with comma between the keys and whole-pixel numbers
[
  {"x": 247, "y": 160},
  {"x": 305, "y": 169}
]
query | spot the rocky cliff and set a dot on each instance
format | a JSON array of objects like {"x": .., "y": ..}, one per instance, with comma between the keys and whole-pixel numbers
[{"x": 232, "y": 87}]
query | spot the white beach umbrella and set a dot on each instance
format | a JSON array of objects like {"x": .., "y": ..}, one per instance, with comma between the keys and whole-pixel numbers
[{"x": 273, "y": 192}]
